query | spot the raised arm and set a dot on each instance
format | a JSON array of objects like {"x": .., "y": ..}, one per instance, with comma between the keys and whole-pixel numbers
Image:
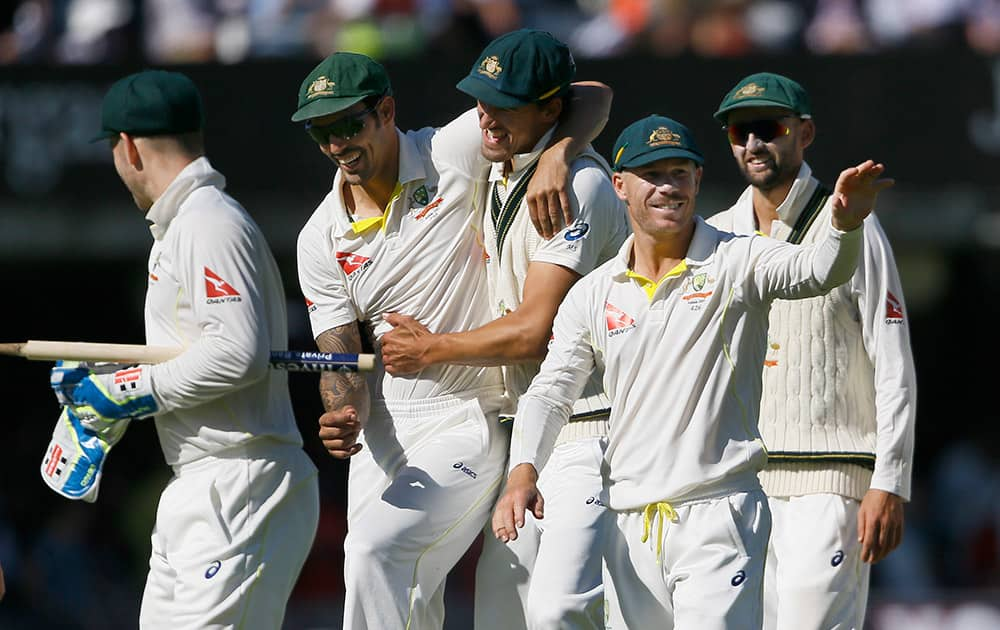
[
  {"x": 547, "y": 197},
  {"x": 344, "y": 394}
]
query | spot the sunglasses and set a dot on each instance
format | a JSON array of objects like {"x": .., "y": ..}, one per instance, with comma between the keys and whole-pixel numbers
[
  {"x": 763, "y": 130},
  {"x": 343, "y": 128}
]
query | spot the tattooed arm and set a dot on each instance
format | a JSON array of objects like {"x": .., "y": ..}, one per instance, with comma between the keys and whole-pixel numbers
[{"x": 344, "y": 395}]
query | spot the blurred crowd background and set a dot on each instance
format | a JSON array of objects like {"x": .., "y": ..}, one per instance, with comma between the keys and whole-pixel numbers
[
  {"x": 232, "y": 31},
  {"x": 915, "y": 83}
]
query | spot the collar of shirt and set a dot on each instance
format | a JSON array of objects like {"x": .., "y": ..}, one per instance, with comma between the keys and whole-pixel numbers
[
  {"x": 700, "y": 251},
  {"x": 521, "y": 161},
  {"x": 411, "y": 168},
  {"x": 195, "y": 175},
  {"x": 745, "y": 221}
]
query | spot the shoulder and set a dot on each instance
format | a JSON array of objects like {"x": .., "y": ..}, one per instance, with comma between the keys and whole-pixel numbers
[
  {"x": 209, "y": 212},
  {"x": 722, "y": 220}
]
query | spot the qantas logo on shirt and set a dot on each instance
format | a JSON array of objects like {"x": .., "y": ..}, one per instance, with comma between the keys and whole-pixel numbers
[
  {"x": 218, "y": 290},
  {"x": 352, "y": 263},
  {"x": 619, "y": 321},
  {"x": 893, "y": 309}
]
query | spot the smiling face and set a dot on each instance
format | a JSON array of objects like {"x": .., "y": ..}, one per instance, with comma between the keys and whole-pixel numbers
[
  {"x": 769, "y": 163},
  {"x": 507, "y": 132},
  {"x": 361, "y": 156},
  {"x": 660, "y": 195}
]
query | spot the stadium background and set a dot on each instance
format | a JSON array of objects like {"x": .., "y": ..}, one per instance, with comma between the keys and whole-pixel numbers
[{"x": 915, "y": 84}]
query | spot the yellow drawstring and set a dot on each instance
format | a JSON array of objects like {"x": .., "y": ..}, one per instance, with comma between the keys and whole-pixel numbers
[{"x": 666, "y": 512}]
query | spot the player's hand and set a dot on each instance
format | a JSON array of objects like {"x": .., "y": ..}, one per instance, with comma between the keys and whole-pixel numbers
[
  {"x": 855, "y": 194},
  {"x": 99, "y": 399},
  {"x": 547, "y": 196},
  {"x": 404, "y": 348},
  {"x": 520, "y": 494},
  {"x": 3, "y": 585},
  {"x": 880, "y": 524},
  {"x": 339, "y": 431}
]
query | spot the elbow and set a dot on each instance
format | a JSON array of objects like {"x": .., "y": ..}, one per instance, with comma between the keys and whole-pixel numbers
[
  {"x": 249, "y": 365},
  {"x": 532, "y": 347}
]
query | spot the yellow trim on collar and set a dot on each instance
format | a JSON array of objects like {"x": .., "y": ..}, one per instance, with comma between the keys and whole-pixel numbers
[
  {"x": 648, "y": 285},
  {"x": 370, "y": 222}
]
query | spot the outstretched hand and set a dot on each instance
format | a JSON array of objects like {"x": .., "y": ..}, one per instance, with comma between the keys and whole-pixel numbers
[
  {"x": 404, "y": 348},
  {"x": 520, "y": 494},
  {"x": 855, "y": 194}
]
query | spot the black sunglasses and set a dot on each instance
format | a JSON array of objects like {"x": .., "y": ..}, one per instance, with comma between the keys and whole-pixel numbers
[
  {"x": 343, "y": 128},
  {"x": 763, "y": 130}
]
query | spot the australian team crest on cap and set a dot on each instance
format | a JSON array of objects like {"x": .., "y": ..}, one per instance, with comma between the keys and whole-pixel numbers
[
  {"x": 322, "y": 86},
  {"x": 661, "y": 136},
  {"x": 491, "y": 67},
  {"x": 749, "y": 90}
]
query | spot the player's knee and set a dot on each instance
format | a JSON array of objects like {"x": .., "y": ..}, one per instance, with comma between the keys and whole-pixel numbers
[{"x": 364, "y": 554}]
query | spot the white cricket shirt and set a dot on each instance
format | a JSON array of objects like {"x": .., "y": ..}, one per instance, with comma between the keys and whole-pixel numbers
[
  {"x": 425, "y": 261},
  {"x": 681, "y": 363},
  {"x": 839, "y": 381},
  {"x": 215, "y": 289},
  {"x": 512, "y": 244}
]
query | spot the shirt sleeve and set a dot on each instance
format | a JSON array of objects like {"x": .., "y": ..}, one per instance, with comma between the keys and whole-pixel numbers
[
  {"x": 600, "y": 227},
  {"x": 886, "y": 334},
  {"x": 322, "y": 282},
  {"x": 781, "y": 270},
  {"x": 458, "y": 145},
  {"x": 222, "y": 258},
  {"x": 547, "y": 405}
]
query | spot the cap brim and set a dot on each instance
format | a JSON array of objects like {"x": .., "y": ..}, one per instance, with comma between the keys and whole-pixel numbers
[
  {"x": 325, "y": 107},
  {"x": 661, "y": 154},
  {"x": 483, "y": 91},
  {"x": 752, "y": 102},
  {"x": 104, "y": 135}
]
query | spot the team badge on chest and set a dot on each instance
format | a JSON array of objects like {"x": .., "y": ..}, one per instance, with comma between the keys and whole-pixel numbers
[{"x": 697, "y": 289}]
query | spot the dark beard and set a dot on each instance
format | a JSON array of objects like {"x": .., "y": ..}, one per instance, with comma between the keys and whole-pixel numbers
[{"x": 768, "y": 181}]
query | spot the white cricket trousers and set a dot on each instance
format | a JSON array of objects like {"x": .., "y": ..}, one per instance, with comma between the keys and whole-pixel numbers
[
  {"x": 703, "y": 571},
  {"x": 550, "y": 577},
  {"x": 232, "y": 533},
  {"x": 815, "y": 579},
  {"x": 419, "y": 492}
]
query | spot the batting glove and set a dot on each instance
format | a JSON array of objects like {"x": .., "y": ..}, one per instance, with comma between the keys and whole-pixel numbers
[
  {"x": 75, "y": 458},
  {"x": 98, "y": 398}
]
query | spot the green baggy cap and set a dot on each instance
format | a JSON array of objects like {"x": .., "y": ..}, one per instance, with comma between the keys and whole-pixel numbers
[
  {"x": 654, "y": 138},
  {"x": 339, "y": 81},
  {"x": 151, "y": 103},
  {"x": 766, "y": 89},
  {"x": 520, "y": 67}
]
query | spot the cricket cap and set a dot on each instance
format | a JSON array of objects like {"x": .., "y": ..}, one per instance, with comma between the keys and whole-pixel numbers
[
  {"x": 654, "y": 138},
  {"x": 339, "y": 81},
  {"x": 151, "y": 103},
  {"x": 766, "y": 89},
  {"x": 518, "y": 68}
]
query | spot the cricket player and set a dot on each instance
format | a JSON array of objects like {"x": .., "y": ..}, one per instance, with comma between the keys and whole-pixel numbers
[
  {"x": 678, "y": 322},
  {"x": 839, "y": 389},
  {"x": 548, "y": 576},
  {"x": 401, "y": 231},
  {"x": 237, "y": 520}
]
